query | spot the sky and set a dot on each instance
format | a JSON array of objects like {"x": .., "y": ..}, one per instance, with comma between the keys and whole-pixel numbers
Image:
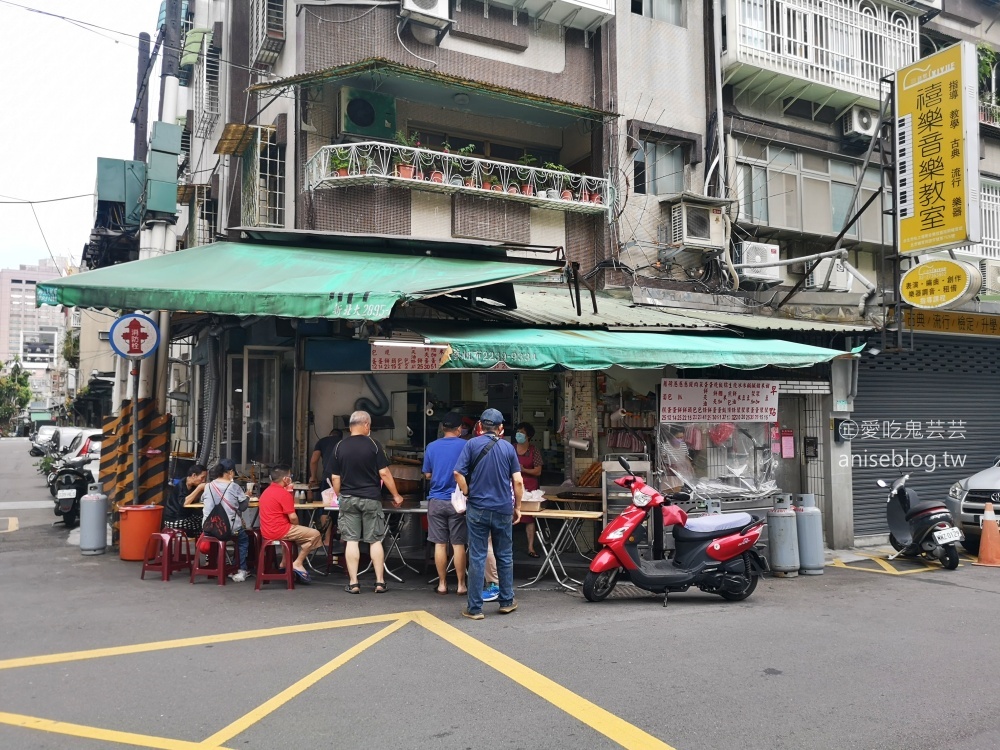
[{"x": 69, "y": 93}]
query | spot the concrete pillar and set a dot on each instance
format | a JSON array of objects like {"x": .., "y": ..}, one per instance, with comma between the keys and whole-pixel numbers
[{"x": 838, "y": 511}]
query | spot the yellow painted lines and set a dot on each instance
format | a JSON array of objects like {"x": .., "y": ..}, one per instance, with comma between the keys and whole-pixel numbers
[
  {"x": 8, "y": 524},
  {"x": 616, "y": 729},
  {"x": 875, "y": 562}
]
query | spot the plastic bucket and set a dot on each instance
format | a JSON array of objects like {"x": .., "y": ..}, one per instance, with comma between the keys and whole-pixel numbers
[{"x": 136, "y": 524}]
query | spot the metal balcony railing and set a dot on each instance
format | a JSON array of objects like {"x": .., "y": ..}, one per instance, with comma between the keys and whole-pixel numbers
[
  {"x": 989, "y": 113},
  {"x": 845, "y": 45},
  {"x": 422, "y": 169}
]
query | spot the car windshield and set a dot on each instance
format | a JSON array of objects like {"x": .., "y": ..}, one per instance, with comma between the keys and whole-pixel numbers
[{"x": 76, "y": 442}]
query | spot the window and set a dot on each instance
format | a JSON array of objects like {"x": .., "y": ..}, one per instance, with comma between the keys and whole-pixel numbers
[
  {"x": 671, "y": 11},
  {"x": 206, "y": 89},
  {"x": 658, "y": 168},
  {"x": 267, "y": 31},
  {"x": 263, "y": 165},
  {"x": 486, "y": 149}
]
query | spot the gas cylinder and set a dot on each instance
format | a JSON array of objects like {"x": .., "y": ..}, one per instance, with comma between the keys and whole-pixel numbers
[
  {"x": 782, "y": 538},
  {"x": 809, "y": 524},
  {"x": 93, "y": 521}
]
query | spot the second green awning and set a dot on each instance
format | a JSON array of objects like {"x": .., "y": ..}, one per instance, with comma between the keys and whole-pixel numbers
[
  {"x": 535, "y": 349},
  {"x": 238, "y": 278}
]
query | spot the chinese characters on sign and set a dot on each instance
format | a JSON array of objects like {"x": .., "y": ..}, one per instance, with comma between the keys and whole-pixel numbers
[
  {"x": 952, "y": 322},
  {"x": 937, "y": 151},
  {"x": 940, "y": 283},
  {"x": 408, "y": 357},
  {"x": 718, "y": 401}
]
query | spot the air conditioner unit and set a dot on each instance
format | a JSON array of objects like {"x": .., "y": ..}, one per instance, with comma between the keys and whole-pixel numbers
[
  {"x": 367, "y": 113},
  {"x": 860, "y": 122},
  {"x": 758, "y": 252},
  {"x": 840, "y": 279},
  {"x": 991, "y": 276},
  {"x": 696, "y": 226},
  {"x": 432, "y": 12}
]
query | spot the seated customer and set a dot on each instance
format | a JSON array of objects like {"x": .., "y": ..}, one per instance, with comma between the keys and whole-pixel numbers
[
  {"x": 224, "y": 491},
  {"x": 278, "y": 520},
  {"x": 181, "y": 492}
]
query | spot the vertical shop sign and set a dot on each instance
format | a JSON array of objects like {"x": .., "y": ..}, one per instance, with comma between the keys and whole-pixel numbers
[
  {"x": 718, "y": 400},
  {"x": 937, "y": 151}
]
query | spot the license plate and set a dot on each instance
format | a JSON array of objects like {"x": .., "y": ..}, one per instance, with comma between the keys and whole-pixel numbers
[
  {"x": 66, "y": 494},
  {"x": 945, "y": 536}
]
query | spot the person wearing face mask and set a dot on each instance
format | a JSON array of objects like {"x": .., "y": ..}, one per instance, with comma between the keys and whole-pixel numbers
[{"x": 530, "y": 459}]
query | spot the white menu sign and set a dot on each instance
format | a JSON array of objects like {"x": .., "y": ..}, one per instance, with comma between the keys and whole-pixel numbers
[
  {"x": 408, "y": 357},
  {"x": 718, "y": 401}
]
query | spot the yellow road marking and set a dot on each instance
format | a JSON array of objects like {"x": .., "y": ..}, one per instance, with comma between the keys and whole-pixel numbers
[
  {"x": 271, "y": 705},
  {"x": 96, "y": 733},
  {"x": 611, "y": 726},
  {"x": 11, "y": 524},
  {"x": 141, "y": 648},
  {"x": 887, "y": 568}
]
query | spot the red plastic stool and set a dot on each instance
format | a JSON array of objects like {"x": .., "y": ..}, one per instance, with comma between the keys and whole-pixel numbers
[
  {"x": 164, "y": 553},
  {"x": 253, "y": 549},
  {"x": 267, "y": 562},
  {"x": 215, "y": 563}
]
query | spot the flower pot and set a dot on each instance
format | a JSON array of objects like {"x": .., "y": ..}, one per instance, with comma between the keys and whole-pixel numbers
[
  {"x": 595, "y": 198},
  {"x": 584, "y": 196},
  {"x": 469, "y": 182},
  {"x": 567, "y": 195},
  {"x": 552, "y": 193},
  {"x": 527, "y": 189},
  {"x": 437, "y": 176},
  {"x": 497, "y": 188},
  {"x": 406, "y": 171},
  {"x": 512, "y": 190},
  {"x": 343, "y": 172}
]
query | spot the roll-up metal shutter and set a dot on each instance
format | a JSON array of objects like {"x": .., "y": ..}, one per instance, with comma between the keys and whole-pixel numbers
[{"x": 914, "y": 408}]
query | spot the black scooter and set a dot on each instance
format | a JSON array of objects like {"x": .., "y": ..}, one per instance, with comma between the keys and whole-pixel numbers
[
  {"x": 920, "y": 529},
  {"x": 71, "y": 482}
]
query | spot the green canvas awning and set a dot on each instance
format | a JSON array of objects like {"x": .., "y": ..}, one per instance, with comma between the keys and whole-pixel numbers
[
  {"x": 238, "y": 278},
  {"x": 535, "y": 349}
]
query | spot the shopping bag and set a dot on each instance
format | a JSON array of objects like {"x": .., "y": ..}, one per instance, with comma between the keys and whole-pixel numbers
[
  {"x": 458, "y": 501},
  {"x": 330, "y": 499}
]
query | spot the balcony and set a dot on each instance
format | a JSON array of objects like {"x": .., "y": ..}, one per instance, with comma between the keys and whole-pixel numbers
[
  {"x": 989, "y": 113},
  {"x": 373, "y": 162},
  {"x": 829, "y": 52}
]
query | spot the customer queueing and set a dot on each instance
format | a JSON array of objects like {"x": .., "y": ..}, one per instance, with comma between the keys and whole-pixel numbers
[
  {"x": 444, "y": 525},
  {"x": 279, "y": 520},
  {"x": 359, "y": 467},
  {"x": 223, "y": 490},
  {"x": 488, "y": 473}
]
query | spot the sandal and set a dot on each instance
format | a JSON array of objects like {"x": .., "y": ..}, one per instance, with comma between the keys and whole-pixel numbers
[
  {"x": 353, "y": 588},
  {"x": 532, "y": 554},
  {"x": 380, "y": 587}
]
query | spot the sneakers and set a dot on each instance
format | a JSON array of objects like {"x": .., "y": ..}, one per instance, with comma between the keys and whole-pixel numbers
[
  {"x": 507, "y": 609},
  {"x": 491, "y": 593},
  {"x": 473, "y": 615},
  {"x": 239, "y": 576}
]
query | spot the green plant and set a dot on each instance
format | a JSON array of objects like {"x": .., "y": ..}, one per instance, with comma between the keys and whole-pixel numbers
[
  {"x": 411, "y": 141},
  {"x": 45, "y": 465},
  {"x": 987, "y": 59},
  {"x": 556, "y": 167},
  {"x": 468, "y": 150},
  {"x": 340, "y": 158},
  {"x": 527, "y": 160},
  {"x": 15, "y": 391}
]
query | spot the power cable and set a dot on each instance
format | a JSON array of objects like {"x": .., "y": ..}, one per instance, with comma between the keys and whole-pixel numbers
[{"x": 18, "y": 201}]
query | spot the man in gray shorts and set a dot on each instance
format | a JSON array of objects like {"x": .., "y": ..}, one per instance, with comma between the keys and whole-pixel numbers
[
  {"x": 360, "y": 466},
  {"x": 444, "y": 525}
]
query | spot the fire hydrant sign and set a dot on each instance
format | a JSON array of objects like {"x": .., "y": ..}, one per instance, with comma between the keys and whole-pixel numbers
[
  {"x": 718, "y": 401},
  {"x": 134, "y": 336}
]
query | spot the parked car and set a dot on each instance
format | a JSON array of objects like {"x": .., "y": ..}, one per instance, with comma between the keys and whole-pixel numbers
[
  {"x": 40, "y": 440},
  {"x": 63, "y": 437},
  {"x": 967, "y": 499},
  {"x": 87, "y": 441}
]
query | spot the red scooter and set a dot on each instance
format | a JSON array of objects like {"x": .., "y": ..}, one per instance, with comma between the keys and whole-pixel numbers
[{"x": 714, "y": 552}]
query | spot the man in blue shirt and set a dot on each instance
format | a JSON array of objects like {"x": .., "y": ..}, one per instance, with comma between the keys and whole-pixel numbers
[
  {"x": 444, "y": 525},
  {"x": 489, "y": 474}
]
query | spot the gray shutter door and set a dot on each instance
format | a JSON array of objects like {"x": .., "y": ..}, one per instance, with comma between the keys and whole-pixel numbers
[{"x": 947, "y": 382}]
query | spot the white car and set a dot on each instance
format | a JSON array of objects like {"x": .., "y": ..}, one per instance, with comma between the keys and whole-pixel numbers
[{"x": 966, "y": 501}]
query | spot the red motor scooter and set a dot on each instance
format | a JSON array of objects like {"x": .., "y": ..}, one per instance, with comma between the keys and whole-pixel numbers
[{"x": 714, "y": 552}]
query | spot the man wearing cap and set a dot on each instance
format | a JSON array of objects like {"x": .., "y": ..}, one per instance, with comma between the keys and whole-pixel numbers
[
  {"x": 489, "y": 473},
  {"x": 444, "y": 525}
]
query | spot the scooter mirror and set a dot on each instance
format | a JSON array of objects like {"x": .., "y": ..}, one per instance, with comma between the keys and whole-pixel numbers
[
  {"x": 624, "y": 463},
  {"x": 881, "y": 483}
]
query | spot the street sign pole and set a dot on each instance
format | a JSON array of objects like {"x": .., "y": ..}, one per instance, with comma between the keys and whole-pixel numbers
[{"x": 135, "y": 430}]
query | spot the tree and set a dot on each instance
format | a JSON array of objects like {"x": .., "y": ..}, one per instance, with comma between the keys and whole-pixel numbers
[
  {"x": 71, "y": 348},
  {"x": 15, "y": 392}
]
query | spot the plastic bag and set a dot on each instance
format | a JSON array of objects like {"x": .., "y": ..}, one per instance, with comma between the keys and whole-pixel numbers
[
  {"x": 330, "y": 499},
  {"x": 458, "y": 500}
]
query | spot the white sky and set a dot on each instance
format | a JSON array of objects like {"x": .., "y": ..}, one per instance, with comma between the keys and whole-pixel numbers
[{"x": 69, "y": 93}]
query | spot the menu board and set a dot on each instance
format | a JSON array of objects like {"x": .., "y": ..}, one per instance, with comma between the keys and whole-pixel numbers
[
  {"x": 718, "y": 400},
  {"x": 407, "y": 357}
]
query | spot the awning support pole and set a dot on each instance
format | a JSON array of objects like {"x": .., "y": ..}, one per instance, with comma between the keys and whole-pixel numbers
[{"x": 135, "y": 431}]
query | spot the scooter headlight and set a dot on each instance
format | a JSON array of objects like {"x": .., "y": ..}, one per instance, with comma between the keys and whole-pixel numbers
[
  {"x": 956, "y": 492},
  {"x": 641, "y": 499}
]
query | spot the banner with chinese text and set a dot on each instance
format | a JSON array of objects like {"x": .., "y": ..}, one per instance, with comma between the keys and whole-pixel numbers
[{"x": 718, "y": 400}]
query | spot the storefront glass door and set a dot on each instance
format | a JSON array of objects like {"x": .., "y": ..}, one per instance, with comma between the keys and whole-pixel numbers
[{"x": 252, "y": 429}]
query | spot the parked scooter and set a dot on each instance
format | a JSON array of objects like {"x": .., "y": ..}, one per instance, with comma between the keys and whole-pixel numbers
[
  {"x": 715, "y": 553},
  {"x": 71, "y": 482},
  {"x": 920, "y": 529}
]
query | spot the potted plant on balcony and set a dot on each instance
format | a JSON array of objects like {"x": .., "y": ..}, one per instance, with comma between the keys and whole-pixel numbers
[
  {"x": 404, "y": 159},
  {"x": 468, "y": 171},
  {"x": 558, "y": 188},
  {"x": 340, "y": 162},
  {"x": 527, "y": 188}
]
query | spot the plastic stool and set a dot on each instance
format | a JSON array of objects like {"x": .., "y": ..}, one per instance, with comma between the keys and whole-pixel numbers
[
  {"x": 165, "y": 555},
  {"x": 253, "y": 549},
  {"x": 217, "y": 569},
  {"x": 267, "y": 562}
]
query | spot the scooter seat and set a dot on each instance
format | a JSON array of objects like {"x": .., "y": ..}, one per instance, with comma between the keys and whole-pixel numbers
[
  {"x": 923, "y": 507},
  {"x": 708, "y": 527}
]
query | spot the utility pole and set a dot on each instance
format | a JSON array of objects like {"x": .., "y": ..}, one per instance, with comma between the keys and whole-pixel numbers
[{"x": 140, "y": 146}]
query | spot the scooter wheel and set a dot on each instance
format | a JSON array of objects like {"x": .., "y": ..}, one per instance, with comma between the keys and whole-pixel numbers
[
  {"x": 895, "y": 543},
  {"x": 597, "y": 586},
  {"x": 950, "y": 559}
]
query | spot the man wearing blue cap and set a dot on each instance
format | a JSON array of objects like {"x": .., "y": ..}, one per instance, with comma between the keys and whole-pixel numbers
[{"x": 489, "y": 473}]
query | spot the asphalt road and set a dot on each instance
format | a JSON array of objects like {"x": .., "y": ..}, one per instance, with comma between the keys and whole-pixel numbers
[{"x": 846, "y": 660}]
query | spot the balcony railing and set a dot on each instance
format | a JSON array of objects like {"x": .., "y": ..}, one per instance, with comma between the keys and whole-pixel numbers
[
  {"x": 842, "y": 45},
  {"x": 422, "y": 169},
  {"x": 989, "y": 113}
]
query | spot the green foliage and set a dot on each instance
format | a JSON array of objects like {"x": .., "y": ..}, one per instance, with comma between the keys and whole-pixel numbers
[
  {"x": 987, "y": 60},
  {"x": 468, "y": 150},
  {"x": 340, "y": 158},
  {"x": 45, "y": 464},
  {"x": 15, "y": 393},
  {"x": 71, "y": 348}
]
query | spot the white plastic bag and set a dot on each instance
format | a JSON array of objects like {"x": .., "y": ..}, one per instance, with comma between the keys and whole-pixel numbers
[
  {"x": 458, "y": 501},
  {"x": 330, "y": 499}
]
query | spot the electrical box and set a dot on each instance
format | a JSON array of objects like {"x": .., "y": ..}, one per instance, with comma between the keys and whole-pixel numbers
[
  {"x": 162, "y": 167},
  {"x": 166, "y": 138},
  {"x": 121, "y": 182},
  {"x": 161, "y": 197}
]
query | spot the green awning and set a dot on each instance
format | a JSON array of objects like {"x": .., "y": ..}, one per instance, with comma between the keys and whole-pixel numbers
[
  {"x": 535, "y": 349},
  {"x": 238, "y": 278}
]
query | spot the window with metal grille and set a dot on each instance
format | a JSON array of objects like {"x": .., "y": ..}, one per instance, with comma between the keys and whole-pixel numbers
[
  {"x": 263, "y": 167},
  {"x": 205, "y": 216},
  {"x": 267, "y": 31},
  {"x": 206, "y": 89}
]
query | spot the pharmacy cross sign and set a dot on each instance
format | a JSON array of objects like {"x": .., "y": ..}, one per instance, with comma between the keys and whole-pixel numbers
[{"x": 134, "y": 336}]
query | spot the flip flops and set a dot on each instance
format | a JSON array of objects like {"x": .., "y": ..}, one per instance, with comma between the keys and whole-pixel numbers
[
  {"x": 302, "y": 576},
  {"x": 532, "y": 554}
]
